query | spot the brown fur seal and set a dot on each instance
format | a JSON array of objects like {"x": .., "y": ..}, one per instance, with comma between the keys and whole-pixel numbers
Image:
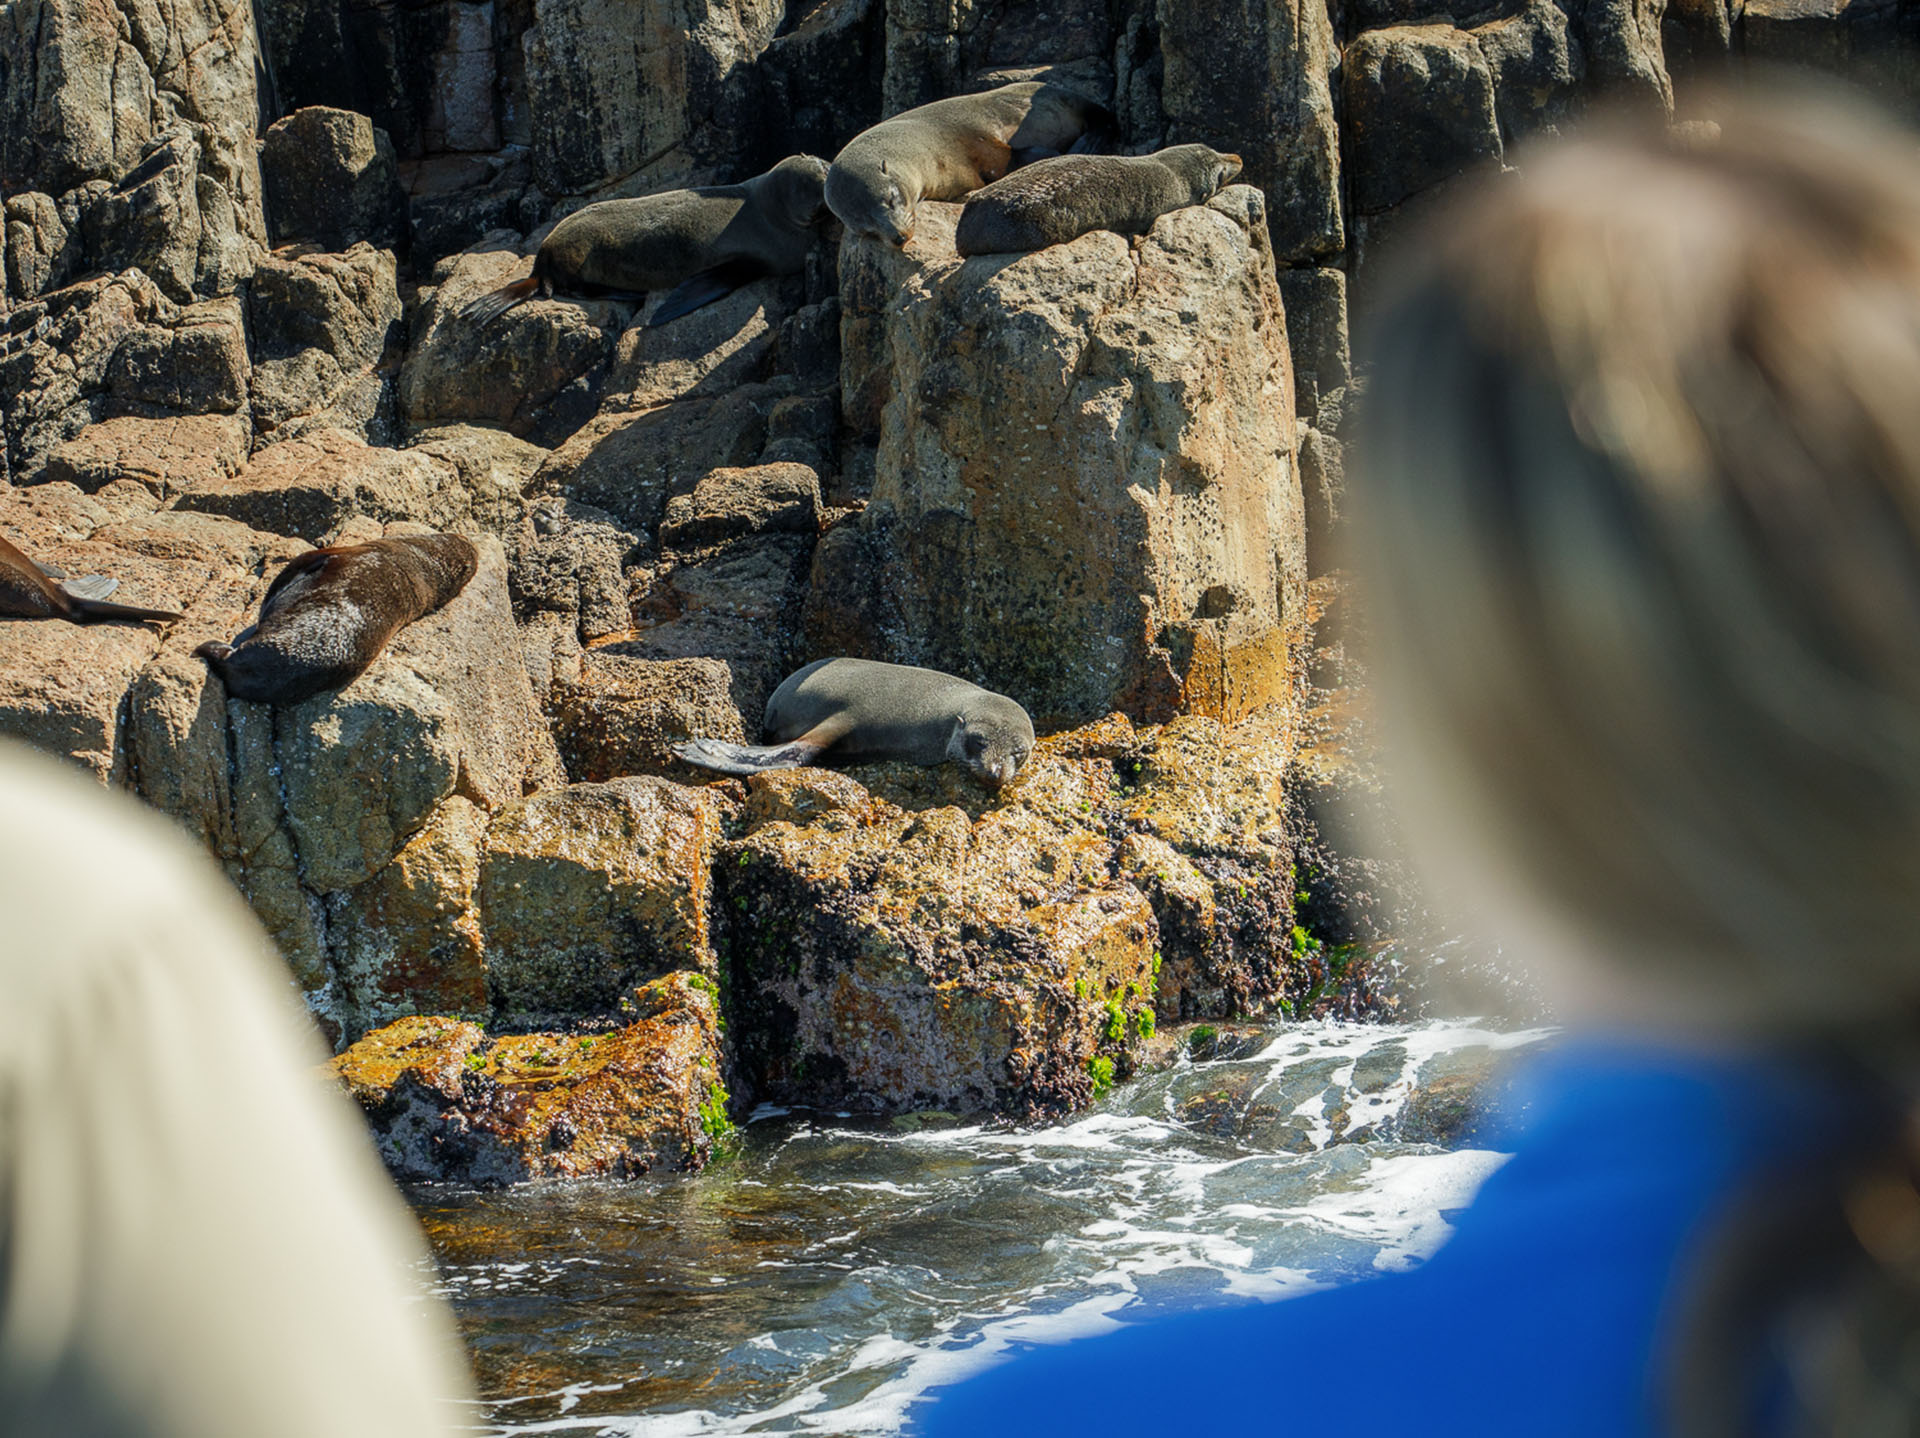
[
  {"x": 853, "y": 709},
  {"x": 330, "y": 611},
  {"x": 700, "y": 244},
  {"x": 1053, "y": 201},
  {"x": 951, "y": 148},
  {"x": 28, "y": 591}
]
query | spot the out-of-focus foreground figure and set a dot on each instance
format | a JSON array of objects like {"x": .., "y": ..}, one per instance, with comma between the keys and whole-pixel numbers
[
  {"x": 195, "y": 1240},
  {"x": 1638, "y": 519}
]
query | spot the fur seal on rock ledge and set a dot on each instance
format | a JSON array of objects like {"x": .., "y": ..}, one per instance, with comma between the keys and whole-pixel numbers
[
  {"x": 331, "y": 611},
  {"x": 28, "y": 591},
  {"x": 855, "y": 709},
  {"x": 1053, "y": 201},
  {"x": 951, "y": 148},
  {"x": 699, "y": 244}
]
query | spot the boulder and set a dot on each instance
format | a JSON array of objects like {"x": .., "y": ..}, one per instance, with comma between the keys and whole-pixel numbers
[
  {"x": 1537, "y": 67},
  {"x": 740, "y": 603},
  {"x": 731, "y": 503},
  {"x": 493, "y": 467},
  {"x": 408, "y": 940},
  {"x": 447, "y": 1103},
  {"x": 718, "y": 347},
  {"x": 168, "y": 455},
  {"x": 43, "y": 244},
  {"x": 629, "y": 465},
  {"x": 622, "y": 715},
  {"x": 588, "y": 890},
  {"x": 309, "y": 487},
  {"x": 537, "y": 371},
  {"x": 193, "y": 362},
  {"x": 331, "y": 180},
  {"x": 569, "y": 559},
  {"x": 1093, "y": 439},
  {"x": 1621, "y": 40},
  {"x": 614, "y": 86},
  {"x": 1419, "y": 106},
  {"x": 1316, "y": 304},
  {"x": 886, "y": 959},
  {"x": 322, "y": 327},
  {"x": 55, "y": 355},
  {"x": 1254, "y": 78}
]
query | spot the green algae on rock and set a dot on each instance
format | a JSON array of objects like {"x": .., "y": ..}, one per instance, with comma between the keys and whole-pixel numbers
[{"x": 446, "y": 1102}]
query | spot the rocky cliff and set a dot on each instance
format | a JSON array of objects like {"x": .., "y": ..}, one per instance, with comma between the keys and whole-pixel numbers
[{"x": 238, "y": 242}]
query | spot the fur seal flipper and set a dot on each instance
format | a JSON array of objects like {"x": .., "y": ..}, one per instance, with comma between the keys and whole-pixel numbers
[
  {"x": 731, "y": 234},
  {"x": 727, "y": 758},
  {"x": 28, "y": 591},
  {"x": 330, "y": 611},
  {"x": 951, "y": 148},
  {"x": 854, "y": 709},
  {"x": 1057, "y": 200}
]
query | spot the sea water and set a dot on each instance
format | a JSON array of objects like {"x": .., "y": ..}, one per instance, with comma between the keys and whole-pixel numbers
[{"x": 830, "y": 1271}]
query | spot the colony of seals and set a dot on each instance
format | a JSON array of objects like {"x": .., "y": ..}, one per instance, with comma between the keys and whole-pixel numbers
[
  {"x": 29, "y": 591},
  {"x": 698, "y": 244},
  {"x": 951, "y": 148},
  {"x": 330, "y": 611},
  {"x": 854, "y": 709},
  {"x": 1053, "y": 201}
]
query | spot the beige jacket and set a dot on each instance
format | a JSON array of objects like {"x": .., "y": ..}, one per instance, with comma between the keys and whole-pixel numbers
[{"x": 196, "y": 1239}]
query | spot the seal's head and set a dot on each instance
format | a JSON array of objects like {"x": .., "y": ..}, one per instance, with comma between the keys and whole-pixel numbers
[
  {"x": 799, "y": 185},
  {"x": 993, "y": 737},
  {"x": 1206, "y": 170},
  {"x": 871, "y": 200}
]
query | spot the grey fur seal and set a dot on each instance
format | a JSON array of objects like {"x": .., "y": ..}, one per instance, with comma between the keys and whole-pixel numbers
[
  {"x": 698, "y": 244},
  {"x": 29, "y": 591},
  {"x": 854, "y": 709},
  {"x": 1053, "y": 201},
  {"x": 951, "y": 148},
  {"x": 331, "y": 611}
]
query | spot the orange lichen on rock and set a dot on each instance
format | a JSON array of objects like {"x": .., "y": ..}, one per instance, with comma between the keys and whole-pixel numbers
[{"x": 446, "y": 1102}]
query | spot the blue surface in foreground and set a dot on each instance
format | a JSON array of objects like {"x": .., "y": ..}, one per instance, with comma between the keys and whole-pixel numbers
[{"x": 1543, "y": 1315}]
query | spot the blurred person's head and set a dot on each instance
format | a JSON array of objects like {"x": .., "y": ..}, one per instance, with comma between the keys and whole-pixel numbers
[{"x": 1638, "y": 516}]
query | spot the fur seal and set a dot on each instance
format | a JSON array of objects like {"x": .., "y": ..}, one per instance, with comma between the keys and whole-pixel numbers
[
  {"x": 28, "y": 591},
  {"x": 330, "y": 611},
  {"x": 1052, "y": 201},
  {"x": 951, "y": 148},
  {"x": 699, "y": 244},
  {"x": 853, "y": 709}
]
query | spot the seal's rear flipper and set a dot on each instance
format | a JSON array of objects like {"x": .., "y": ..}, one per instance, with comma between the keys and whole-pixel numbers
[
  {"x": 493, "y": 304},
  {"x": 52, "y": 571},
  {"x": 93, "y": 609},
  {"x": 90, "y": 586},
  {"x": 703, "y": 289},
  {"x": 748, "y": 758}
]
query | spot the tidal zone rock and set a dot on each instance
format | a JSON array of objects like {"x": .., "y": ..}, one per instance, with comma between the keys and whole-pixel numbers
[
  {"x": 893, "y": 941},
  {"x": 445, "y": 1101}
]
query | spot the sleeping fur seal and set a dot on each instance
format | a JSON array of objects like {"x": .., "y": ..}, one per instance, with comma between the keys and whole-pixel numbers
[
  {"x": 700, "y": 244},
  {"x": 1053, "y": 201},
  {"x": 951, "y": 148},
  {"x": 853, "y": 709},
  {"x": 28, "y": 591},
  {"x": 330, "y": 611}
]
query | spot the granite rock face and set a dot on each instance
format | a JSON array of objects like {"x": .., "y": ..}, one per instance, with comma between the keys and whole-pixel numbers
[
  {"x": 1095, "y": 438},
  {"x": 1094, "y": 477}
]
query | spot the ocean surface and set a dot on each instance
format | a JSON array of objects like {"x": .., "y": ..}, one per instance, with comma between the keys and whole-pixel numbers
[{"x": 830, "y": 1271}]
